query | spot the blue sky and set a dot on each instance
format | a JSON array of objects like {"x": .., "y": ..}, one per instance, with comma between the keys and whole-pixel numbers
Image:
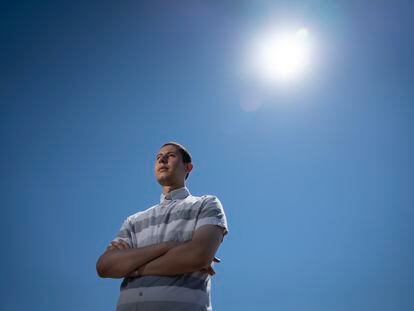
[{"x": 316, "y": 182}]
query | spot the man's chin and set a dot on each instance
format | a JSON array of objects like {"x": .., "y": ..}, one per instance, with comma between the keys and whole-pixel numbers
[{"x": 165, "y": 182}]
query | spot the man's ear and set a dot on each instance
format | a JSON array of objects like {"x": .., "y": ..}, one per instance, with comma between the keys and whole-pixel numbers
[{"x": 189, "y": 167}]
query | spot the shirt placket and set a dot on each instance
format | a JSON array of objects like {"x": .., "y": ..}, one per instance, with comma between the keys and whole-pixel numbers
[{"x": 165, "y": 209}]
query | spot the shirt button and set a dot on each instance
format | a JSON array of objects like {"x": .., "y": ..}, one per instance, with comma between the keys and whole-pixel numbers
[{"x": 140, "y": 293}]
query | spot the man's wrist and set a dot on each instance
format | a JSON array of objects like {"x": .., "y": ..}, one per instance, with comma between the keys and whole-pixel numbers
[{"x": 141, "y": 270}]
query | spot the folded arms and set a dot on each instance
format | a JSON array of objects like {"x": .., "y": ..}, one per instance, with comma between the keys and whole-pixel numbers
[{"x": 167, "y": 258}]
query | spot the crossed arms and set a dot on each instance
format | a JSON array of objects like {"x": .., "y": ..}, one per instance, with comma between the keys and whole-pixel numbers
[{"x": 167, "y": 258}]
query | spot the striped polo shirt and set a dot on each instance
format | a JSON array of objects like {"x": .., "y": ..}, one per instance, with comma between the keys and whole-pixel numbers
[{"x": 176, "y": 218}]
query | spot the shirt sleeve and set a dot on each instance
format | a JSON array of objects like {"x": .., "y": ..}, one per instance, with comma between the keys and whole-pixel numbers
[
  {"x": 125, "y": 233},
  {"x": 212, "y": 213}
]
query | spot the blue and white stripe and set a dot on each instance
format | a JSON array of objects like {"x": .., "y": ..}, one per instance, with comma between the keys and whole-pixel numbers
[{"x": 176, "y": 218}]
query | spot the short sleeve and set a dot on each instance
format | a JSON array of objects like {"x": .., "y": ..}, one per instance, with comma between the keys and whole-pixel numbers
[
  {"x": 125, "y": 233},
  {"x": 212, "y": 213}
]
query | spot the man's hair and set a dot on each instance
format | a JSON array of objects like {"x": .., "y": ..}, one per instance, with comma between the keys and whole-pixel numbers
[{"x": 185, "y": 155}]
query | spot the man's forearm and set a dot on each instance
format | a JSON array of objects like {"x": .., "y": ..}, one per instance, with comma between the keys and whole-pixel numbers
[
  {"x": 185, "y": 258},
  {"x": 118, "y": 263}
]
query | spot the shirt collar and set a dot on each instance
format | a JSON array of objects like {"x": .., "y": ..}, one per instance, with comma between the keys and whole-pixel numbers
[{"x": 177, "y": 194}]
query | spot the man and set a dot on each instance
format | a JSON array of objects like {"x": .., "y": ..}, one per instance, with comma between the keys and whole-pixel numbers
[{"x": 166, "y": 253}]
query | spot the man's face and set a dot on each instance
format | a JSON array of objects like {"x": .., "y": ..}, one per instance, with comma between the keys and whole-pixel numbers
[{"x": 169, "y": 168}]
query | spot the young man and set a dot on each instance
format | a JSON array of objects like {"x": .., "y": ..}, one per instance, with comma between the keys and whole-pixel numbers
[{"x": 166, "y": 253}]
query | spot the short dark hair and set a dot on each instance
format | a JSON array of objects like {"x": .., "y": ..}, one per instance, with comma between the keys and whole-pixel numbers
[{"x": 185, "y": 155}]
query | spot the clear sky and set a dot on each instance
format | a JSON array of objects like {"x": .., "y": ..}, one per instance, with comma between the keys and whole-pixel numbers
[{"x": 316, "y": 180}]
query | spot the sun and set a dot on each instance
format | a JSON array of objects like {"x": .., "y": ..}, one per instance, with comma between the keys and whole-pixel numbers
[{"x": 282, "y": 56}]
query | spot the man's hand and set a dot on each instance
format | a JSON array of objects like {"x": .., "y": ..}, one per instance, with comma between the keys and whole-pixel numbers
[
  {"x": 120, "y": 245},
  {"x": 209, "y": 269}
]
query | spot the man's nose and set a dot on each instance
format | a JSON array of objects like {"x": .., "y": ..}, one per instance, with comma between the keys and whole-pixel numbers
[{"x": 163, "y": 159}]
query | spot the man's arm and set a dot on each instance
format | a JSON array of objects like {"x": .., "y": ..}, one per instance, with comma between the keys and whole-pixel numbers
[
  {"x": 119, "y": 260},
  {"x": 191, "y": 256}
]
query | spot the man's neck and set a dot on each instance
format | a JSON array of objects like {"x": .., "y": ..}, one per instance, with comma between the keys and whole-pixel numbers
[{"x": 168, "y": 189}]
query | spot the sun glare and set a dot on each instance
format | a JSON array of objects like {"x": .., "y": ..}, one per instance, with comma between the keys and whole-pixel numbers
[{"x": 282, "y": 56}]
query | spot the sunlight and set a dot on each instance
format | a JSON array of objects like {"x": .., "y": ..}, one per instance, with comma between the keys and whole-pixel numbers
[{"x": 279, "y": 57}]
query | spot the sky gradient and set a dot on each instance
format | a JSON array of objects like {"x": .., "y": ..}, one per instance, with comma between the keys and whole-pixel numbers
[{"x": 316, "y": 179}]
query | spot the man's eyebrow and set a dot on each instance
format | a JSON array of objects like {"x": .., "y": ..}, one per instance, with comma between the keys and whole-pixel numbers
[{"x": 166, "y": 153}]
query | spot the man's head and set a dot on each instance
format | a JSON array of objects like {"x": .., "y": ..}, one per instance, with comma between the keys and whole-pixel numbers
[{"x": 172, "y": 164}]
